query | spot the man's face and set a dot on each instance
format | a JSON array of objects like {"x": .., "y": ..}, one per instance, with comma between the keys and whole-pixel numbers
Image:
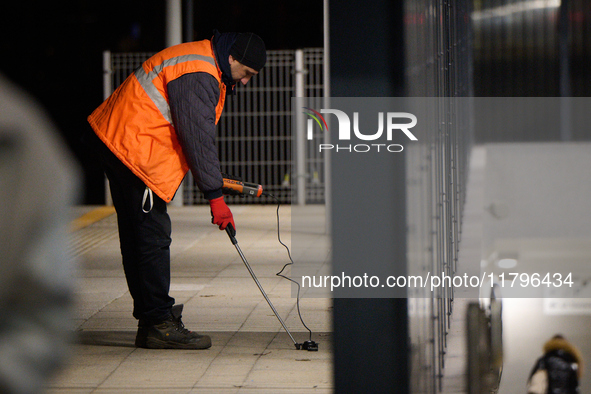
[{"x": 240, "y": 72}]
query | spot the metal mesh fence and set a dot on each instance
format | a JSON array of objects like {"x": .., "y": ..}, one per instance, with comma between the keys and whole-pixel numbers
[
  {"x": 254, "y": 132},
  {"x": 314, "y": 88},
  {"x": 123, "y": 64},
  {"x": 438, "y": 65}
]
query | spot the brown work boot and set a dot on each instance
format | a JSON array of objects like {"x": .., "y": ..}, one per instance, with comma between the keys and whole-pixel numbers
[{"x": 170, "y": 334}]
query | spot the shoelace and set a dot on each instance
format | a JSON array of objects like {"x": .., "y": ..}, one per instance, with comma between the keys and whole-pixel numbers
[{"x": 180, "y": 327}]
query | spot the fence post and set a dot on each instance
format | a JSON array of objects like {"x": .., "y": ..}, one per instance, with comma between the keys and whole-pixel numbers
[
  {"x": 300, "y": 158},
  {"x": 107, "y": 90},
  {"x": 326, "y": 104}
]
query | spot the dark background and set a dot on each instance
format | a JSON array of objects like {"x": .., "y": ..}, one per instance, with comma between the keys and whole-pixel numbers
[{"x": 54, "y": 49}]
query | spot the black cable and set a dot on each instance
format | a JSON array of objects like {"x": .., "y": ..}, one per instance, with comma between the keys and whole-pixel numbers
[{"x": 280, "y": 273}]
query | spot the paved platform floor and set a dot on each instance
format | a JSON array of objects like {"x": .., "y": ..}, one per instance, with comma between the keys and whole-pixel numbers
[{"x": 251, "y": 352}]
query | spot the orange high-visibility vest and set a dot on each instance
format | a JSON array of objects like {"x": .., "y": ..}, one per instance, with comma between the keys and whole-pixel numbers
[{"x": 135, "y": 121}]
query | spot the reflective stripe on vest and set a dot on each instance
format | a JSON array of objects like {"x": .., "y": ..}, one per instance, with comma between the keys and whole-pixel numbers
[
  {"x": 135, "y": 122},
  {"x": 145, "y": 80}
]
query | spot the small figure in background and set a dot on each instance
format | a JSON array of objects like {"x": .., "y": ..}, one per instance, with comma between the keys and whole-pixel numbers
[{"x": 558, "y": 371}]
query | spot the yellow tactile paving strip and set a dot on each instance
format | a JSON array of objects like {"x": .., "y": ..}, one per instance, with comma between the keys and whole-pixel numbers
[
  {"x": 91, "y": 217},
  {"x": 92, "y": 229}
]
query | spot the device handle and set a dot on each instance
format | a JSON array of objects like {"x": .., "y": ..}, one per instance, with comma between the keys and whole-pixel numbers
[{"x": 231, "y": 233}]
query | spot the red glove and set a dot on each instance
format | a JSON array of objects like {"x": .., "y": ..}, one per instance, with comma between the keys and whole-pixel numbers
[{"x": 220, "y": 213}]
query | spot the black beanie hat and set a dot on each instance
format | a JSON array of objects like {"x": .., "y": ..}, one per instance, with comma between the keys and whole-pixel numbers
[{"x": 249, "y": 49}]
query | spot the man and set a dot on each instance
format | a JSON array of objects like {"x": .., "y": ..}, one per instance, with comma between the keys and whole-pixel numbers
[{"x": 156, "y": 126}]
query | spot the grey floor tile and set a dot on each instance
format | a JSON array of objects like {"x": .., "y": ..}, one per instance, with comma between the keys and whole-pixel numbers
[
  {"x": 142, "y": 390},
  {"x": 66, "y": 390},
  {"x": 166, "y": 369},
  {"x": 90, "y": 366}
]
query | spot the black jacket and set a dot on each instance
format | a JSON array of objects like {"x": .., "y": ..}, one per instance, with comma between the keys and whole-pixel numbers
[
  {"x": 193, "y": 98},
  {"x": 562, "y": 363}
]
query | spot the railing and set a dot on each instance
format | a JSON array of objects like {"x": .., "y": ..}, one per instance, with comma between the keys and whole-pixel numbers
[{"x": 438, "y": 66}]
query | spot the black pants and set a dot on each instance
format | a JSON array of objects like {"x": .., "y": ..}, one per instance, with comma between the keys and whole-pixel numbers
[{"x": 144, "y": 238}]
